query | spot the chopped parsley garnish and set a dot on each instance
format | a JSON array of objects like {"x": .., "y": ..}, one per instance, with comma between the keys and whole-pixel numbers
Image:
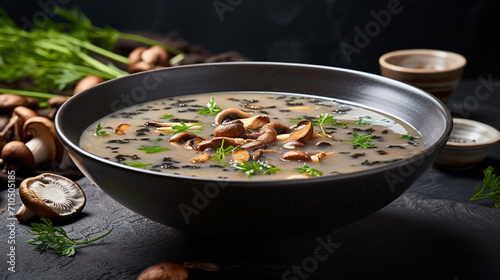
[
  {"x": 155, "y": 140},
  {"x": 366, "y": 120},
  {"x": 99, "y": 131},
  {"x": 211, "y": 109},
  {"x": 137, "y": 164},
  {"x": 362, "y": 141},
  {"x": 491, "y": 182},
  {"x": 153, "y": 149},
  {"x": 305, "y": 169},
  {"x": 258, "y": 167},
  {"x": 186, "y": 128},
  {"x": 409, "y": 137},
  {"x": 167, "y": 116}
]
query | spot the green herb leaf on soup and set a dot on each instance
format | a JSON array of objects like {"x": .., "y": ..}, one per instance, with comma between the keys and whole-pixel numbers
[
  {"x": 362, "y": 141},
  {"x": 221, "y": 153},
  {"x": 409, "y": 137},
  {"x": 137, "y": 164},
  {"x": 167, "y": 116},
  {"x": 366, "y": 120},
  {"x": 305, "y": 169},
  {"x": 193, "y": 128},
  {"x": 258, "y": 167},
  {"x": 153, "y": 149},
  {"x": 99, "y": 131},
  {"x": 211, "y": 109}
]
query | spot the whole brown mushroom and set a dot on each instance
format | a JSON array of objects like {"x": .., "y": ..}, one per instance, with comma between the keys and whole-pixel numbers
[
  {"x": 164, "y": 271},
  {"x": 87, "y": 82},
  {"x": 10, "y": 101}
]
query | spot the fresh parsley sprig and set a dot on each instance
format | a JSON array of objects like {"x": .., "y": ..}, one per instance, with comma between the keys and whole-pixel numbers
[
  {"x": 211, "y": 109},
  {"x": 257, "y": 167},
  {"x": 221, "y": 153},
  {"x": 491, "y": 182},
  {"x": 99, "y": 131},
  {"x": 55, "y": 238},
  {"x": 362, "y": 141},
  {"x": 186, "y": 128},
  {"x": 305, "y": 169}
]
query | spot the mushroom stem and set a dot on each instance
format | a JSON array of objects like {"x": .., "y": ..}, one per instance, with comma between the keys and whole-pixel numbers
[{"x": 24, "y": 214}]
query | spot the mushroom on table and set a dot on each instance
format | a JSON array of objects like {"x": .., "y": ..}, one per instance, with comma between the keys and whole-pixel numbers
[{"x": 51, "y": 196}]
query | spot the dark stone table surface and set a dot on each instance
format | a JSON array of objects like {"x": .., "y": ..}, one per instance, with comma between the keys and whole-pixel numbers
[{"x": 432, "y": 231}]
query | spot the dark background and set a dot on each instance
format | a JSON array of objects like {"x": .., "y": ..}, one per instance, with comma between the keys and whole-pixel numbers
[{"x": 301, "y": 30}]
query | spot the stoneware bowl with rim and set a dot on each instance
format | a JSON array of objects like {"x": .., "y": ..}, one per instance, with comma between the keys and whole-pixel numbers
[
  {"x": 468, "y": 144},
  {"x": 243, "y": 208},
  {"x": 435, "y": 71}
]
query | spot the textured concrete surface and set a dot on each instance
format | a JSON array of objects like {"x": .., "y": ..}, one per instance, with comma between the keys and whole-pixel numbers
[{"x": 432, "y": 231}]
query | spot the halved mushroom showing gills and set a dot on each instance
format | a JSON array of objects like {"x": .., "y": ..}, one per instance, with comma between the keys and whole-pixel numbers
[
  {"x": 302, "y": 131},
  {"x": 229, "y": 115},
  {"x": 51, "y": 196}
]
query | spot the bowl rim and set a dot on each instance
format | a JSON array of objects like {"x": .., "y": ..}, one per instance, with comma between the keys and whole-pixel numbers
[
  {"x": 275, "y": 182},
  {"x": 474, "y": 123},
  {"x": 383, "y": 60}
]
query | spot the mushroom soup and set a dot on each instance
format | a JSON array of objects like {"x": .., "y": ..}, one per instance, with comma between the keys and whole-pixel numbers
[{"x": 251, "y": 135}]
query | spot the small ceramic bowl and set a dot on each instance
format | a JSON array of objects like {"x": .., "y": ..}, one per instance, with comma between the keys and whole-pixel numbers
[
  {"x": 435, "y": 71},
  {"x": 468, "y": 144}
]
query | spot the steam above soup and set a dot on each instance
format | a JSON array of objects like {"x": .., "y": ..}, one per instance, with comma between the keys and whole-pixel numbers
[{"x": 251, "y": 135}]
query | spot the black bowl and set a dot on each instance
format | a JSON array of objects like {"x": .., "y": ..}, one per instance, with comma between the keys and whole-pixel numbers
[{"x": 221, "y": 207}]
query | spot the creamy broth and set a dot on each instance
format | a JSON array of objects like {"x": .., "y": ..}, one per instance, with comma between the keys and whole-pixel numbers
[{"x": 391, "y": 139}]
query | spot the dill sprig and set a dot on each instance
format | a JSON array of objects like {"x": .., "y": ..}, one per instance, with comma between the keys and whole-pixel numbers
[
  {"x": 491, "y": 182},
  {"x": 55, "y": 238}
]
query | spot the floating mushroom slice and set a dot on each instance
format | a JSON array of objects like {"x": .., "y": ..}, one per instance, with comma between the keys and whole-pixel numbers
[
  {"x": 255, "y": 122},
  {"x": 298, "y": 176},
  {"x": 240, "y": 155},
  {"x": 249, "y": 106},
  {"x": 282, "y": 137},
  {"x": 302, "y": 131},
  {"x": 229, "y": 115},
  {"x": 164, "y": 271},
  {"x": 51, "y": 196},
  {"x": 292, "y": 145},
  {"x": 319, "y": 156},
  {"x": 193, "y": 143},
  {"x": 233, "y": 129},
  {"x": 201, "y": 158},
  {"x": 296, "y": 155},
  {"x": 323, "y": 144},
  {"x": 300, "y": 108},
  {"x": 182, "y": 137},
  {"x": 121, "y": 128},
  {"x": 260, "y": 152}
]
